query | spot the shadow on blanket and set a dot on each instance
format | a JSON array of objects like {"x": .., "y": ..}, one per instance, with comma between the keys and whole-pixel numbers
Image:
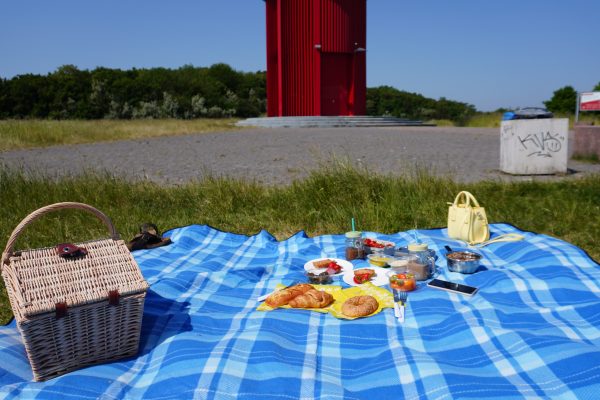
[{"x": 163, "y": 318}]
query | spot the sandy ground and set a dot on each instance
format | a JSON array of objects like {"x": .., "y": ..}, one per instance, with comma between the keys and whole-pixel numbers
[{"x": 278, "y": 156}]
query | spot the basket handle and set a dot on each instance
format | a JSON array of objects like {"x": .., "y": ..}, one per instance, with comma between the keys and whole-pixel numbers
[{"x": 8, "y": 251}]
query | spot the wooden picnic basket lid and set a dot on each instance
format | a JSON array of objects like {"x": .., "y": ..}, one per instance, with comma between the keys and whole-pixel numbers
[{"x": 39, "y": 280}]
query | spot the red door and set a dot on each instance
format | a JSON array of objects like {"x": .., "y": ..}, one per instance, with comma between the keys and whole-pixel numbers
[{"x": 336, "y": 76}]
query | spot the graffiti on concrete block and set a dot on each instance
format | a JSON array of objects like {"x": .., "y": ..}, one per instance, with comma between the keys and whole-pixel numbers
[
  {"x": 542, "y": 144},
  {"x": 507, "y": 131}
]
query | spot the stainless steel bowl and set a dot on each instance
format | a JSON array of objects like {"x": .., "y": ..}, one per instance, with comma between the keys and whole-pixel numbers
[{"x": 463, "y": 261}]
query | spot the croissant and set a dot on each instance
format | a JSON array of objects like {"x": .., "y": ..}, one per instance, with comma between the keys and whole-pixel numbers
[
  {"x": 312, "y": 299},
  {"x": 282, "y": 297}
]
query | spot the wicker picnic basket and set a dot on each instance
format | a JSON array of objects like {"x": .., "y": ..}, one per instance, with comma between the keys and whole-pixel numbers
[{"x": 74, "y": 311}]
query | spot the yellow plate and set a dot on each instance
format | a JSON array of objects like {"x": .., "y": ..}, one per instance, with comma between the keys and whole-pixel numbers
[{"x": 383, "y": 296}]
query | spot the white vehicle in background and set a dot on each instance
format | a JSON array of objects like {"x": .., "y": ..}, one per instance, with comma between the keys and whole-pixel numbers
[{"x": 527, "y": 113}]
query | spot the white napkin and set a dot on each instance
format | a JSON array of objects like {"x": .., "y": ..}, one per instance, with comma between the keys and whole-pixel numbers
[
  {"x": 264, "y": 297},
  {"x": 399, "y": 312}
]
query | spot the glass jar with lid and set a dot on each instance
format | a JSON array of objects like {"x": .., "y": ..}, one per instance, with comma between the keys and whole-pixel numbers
[
  {"x": 424, "y": 267},
  {"x": 355, "y": 249}
]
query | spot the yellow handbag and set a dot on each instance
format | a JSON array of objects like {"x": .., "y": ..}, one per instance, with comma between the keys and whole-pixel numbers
[{"x": 467, "y": 220}]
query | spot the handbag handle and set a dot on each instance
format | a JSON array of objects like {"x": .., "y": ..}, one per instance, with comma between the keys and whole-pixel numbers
[
  {"x": 508, "y": 237},
  {"x": 468, "y": 199},
  {"x": 8, "y": 251}
]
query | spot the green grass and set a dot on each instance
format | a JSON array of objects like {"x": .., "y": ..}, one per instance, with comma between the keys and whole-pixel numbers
[
  {"x": 485, "y": 120},
  {"x": 20, "y": 134},
  {"x": 587, "y": 118},
  {"x": 493, "y": 120},
  {"x": 441, "y": 122},
  {"x": 479, "y": 120},
  {"x": 322, "y": 203},
  {"x": 588, "y": 158}
]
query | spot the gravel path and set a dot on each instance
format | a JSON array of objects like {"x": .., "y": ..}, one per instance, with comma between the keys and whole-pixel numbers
[{"x": 278, "y": 156}]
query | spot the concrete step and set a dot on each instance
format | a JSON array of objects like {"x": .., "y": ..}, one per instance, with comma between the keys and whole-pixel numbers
[{"x": 328, "y": 122}]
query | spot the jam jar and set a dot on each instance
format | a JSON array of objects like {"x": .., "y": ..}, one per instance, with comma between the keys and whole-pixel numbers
[{"x": 354, "y": 246}]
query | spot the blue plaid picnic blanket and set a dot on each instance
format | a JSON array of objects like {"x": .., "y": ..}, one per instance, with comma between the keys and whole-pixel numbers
[{"x": 532, "y": 330}]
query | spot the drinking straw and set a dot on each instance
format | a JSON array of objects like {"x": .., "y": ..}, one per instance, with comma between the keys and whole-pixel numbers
[
  {"x": 416, "y": 236},
  {"x": 353, "y": 227}
]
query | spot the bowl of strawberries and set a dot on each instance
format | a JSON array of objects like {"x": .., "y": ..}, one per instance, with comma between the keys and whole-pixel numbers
[{"x": 377, "y": 246}]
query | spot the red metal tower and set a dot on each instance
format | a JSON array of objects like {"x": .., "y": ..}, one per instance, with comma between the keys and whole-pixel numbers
[{"x": 316, "y": 57}]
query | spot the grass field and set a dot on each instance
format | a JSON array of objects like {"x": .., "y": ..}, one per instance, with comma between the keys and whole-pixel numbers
[
  {"x": 493, "y": 120},
  {"x": 20, "y": 134},
  {"x": 320, "y": 204}
]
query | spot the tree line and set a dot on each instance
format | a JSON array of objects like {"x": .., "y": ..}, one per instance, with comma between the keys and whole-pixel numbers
[
  {"x": 198, "y": 92},
  {"x": 386, "y": 100},
  {"x": 187, "y": 92}
]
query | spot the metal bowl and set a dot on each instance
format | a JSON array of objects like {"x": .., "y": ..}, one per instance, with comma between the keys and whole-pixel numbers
[{"x": 463, "y": 261}]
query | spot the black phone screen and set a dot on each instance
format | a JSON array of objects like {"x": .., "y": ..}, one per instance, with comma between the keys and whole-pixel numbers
[{"x": 452, "y": 286}]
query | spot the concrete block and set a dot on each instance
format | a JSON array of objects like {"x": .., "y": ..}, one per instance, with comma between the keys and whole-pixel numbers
[
  {"x": 587, "y": 140},
  {"x": 534, "y": 146}
]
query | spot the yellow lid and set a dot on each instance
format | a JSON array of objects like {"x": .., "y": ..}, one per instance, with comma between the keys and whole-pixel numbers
[{"x": 417, "y": 247}]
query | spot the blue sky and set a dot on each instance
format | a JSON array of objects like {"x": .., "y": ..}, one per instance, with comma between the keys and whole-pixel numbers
[{"x": 491, "y": 54}]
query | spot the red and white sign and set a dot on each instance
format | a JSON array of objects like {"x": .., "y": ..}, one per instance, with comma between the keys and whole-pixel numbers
[{"x": 590, "y": 101}]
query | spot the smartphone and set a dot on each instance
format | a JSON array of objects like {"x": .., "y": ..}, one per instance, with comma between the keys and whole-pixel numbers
[{"x": 452, "y": 287}]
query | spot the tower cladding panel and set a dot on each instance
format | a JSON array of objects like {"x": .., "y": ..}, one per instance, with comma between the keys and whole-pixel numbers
[{"x": 316, "y": 57}]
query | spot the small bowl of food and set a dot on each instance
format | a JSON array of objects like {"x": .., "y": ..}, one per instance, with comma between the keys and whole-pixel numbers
[
  {"x": 404, "y": 282},
  {"x": 376, "y": 246},
  {"x": 379, "y": 260},
  {"x": 463, "y": 261},
  {"x": 319, "y": 277}
]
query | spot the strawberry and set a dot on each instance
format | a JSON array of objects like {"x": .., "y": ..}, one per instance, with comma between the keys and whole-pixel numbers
[{"x": 334, "y": 266}]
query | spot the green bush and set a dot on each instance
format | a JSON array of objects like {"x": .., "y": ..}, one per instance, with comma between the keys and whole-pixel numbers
[
  {"x": 70, "y": 93},
  {"x": 386, "y": 100},
  {"x": 563, "y": 100}
]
